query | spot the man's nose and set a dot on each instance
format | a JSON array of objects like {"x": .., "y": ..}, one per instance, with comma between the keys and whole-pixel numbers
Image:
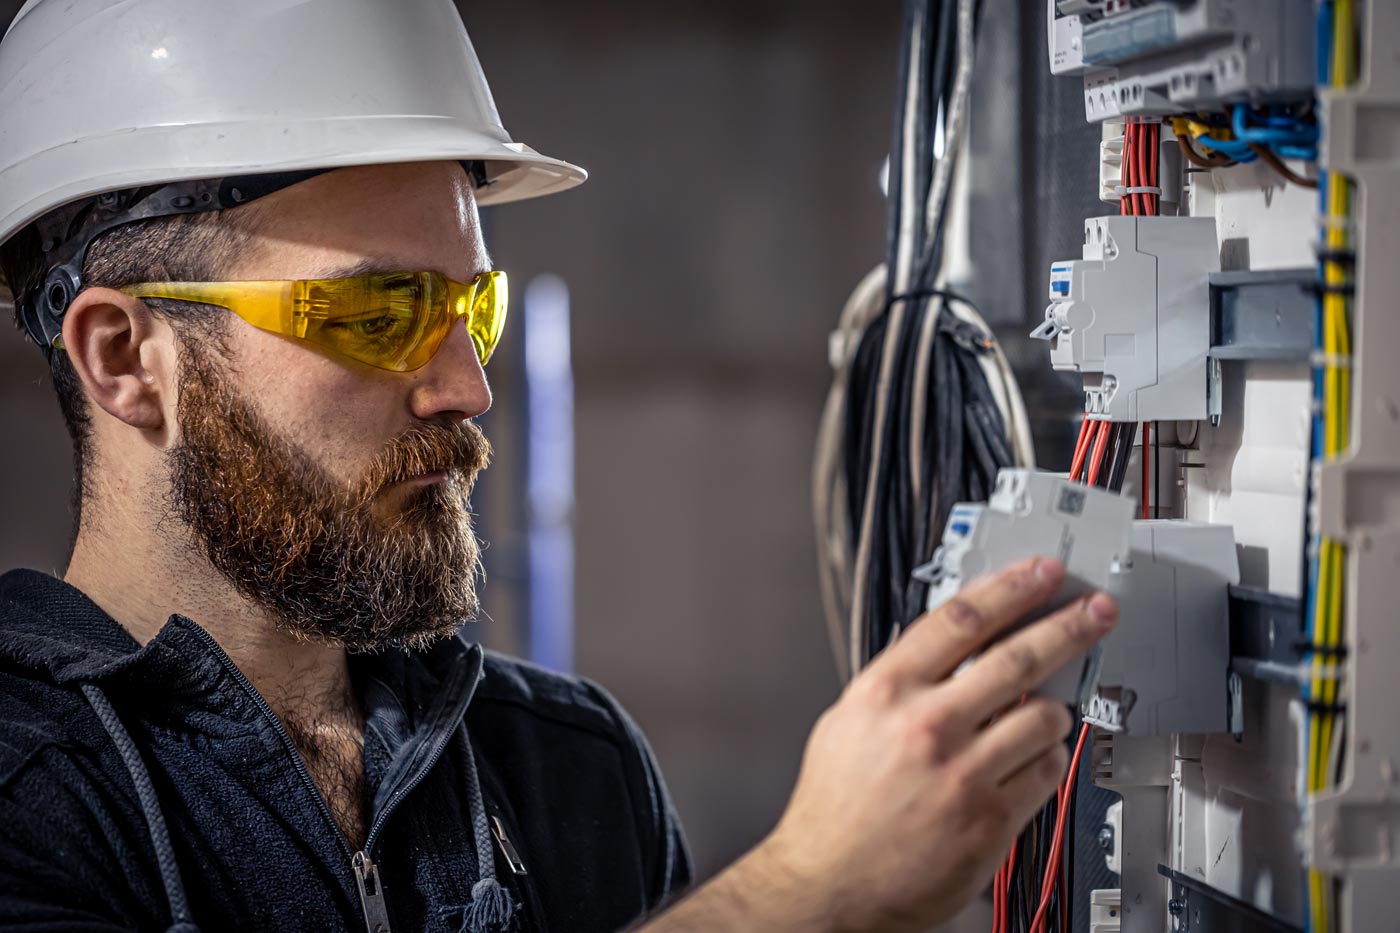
[{"x": 453, "y": 384}]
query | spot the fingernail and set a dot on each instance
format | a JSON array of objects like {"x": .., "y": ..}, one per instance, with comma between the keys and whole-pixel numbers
[
  {"x": 1103, "y": 610},
  {"x": 1048, "y": 570}
]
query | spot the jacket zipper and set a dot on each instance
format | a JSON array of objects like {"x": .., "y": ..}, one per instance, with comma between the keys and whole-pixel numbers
[
  {"x": 371, "y": 894},
  {"x": 361, "y": 865}
]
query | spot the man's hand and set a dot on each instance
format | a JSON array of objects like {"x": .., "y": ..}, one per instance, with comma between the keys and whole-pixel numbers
[{"x": 915, "y": 782}]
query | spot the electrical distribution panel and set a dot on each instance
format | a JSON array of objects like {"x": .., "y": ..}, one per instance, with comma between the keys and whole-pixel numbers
[
  {"x": 1247, "y": 729},
  {"x": 1133, "y": 316},
  {"x": 1173, "y": 56},
  {"x": 1035, "y": 514}
]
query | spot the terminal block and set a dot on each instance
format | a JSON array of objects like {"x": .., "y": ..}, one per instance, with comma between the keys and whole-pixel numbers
[
  {"x": 1133, "y": 317},
  {"x": 1037, "y": 514},
  {"x": 1165, "y": 668},
  {"x": 1175, "y": 56}
]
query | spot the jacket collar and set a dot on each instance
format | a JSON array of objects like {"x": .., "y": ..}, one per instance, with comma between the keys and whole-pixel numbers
[
  {"x": 51, "y": 626},
  {"x": 414, "y": 702}
]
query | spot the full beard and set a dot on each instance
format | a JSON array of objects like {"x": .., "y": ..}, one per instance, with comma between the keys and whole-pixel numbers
[{"x": 311, "y": 550}]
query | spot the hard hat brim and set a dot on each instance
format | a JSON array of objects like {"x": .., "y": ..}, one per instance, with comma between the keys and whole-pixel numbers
[{"x": 516, "y": 171}]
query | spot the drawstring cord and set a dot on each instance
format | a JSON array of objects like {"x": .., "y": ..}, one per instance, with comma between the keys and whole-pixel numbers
[
  {"x": 181, "y": 922},
  {"x": 492, "y": 909}
]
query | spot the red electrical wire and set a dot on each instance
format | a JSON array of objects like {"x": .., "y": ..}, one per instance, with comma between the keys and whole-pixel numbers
[
  {"x": 1140, "y": 168},
  {"x": 1130, "y": 164},
  {"x": 1096, "y": 458},
  {"x": 1006, "y": 888},
  {"x": 1139, "y": 147},
  {"x": 1057, "y": 844},
  {"x": 1154, "y": 138},
  {"x": 996, "y": 898},
  {"x": 1146, "y": 467},
  {"x": 1001, "y": 893},
  {"x": 1081, "y": 449},
  {"x": 1060, "y": 877},
  {"x": 1124, "y": 162}
]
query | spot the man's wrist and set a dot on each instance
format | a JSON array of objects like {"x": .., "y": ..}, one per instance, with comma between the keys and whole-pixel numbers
[{"x": 768, "y": 890}]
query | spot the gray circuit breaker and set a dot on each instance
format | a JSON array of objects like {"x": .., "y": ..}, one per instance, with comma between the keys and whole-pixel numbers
[
  {"x": 1037, "y": 514},
  {"x": 1175, "y": 56},
  {"x": 1165, "y": 668},
  {"x": 1133, "y": 317}
]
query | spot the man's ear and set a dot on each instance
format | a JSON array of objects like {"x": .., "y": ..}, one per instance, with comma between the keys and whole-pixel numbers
[{"x": 123, "y": 356}]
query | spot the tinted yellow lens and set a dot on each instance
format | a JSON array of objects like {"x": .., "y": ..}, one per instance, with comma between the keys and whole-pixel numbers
[
  {"x": 486, "y": 314},
  {"x": 394, "y": 321}
]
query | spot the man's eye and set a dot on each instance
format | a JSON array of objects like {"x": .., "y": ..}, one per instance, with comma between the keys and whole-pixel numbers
[{"x": 375, "y": 326}]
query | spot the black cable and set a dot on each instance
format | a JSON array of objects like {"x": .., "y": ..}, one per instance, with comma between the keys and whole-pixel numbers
[
  {"x": 895, "y": 187},
  {"x": 1105, "y": 476},
  {"x": 860, "y": 416},
  {"x": 933, "y": 42},
  {"x": 942, "y": 66},
  {"x": 962, "y": 437},
  {"x": 1026, "y": 888},
  {"x": 1072, "y": 827},
  {"x": 1123, "y": 454},
  {"x": 1156, "y": 469}
]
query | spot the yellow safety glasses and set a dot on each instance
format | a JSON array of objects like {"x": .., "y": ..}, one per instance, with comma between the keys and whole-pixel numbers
[{"x": 394, "y": 320}]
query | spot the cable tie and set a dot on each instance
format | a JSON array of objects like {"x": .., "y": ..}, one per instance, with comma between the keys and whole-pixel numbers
[
  {"x": 1317, "y": 706},
  {"x": 1345, "y": 224},
  {"x": 1346, "y": 289},
  {"x": 945, "y": 294},
  {"x": 1339, "y": 256},
  {"x": 1136, "y": 189},
  {"x": 1321, "y": 359},
  {"x": 1325, "y": 651}
]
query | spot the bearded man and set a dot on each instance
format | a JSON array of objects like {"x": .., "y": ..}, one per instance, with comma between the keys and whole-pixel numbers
[{"x": 245, "y": 705}]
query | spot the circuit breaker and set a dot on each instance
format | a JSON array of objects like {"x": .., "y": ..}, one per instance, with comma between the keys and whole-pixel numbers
[
  {"x": 1037, "y": 514},
  {"x": 1133, "y": 317},
  {"x": 1173, "y": 56},
  {"x": 1165, "y": 668}
]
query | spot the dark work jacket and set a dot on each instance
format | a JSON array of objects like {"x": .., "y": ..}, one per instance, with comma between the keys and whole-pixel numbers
[{"x": 569, "y": 777}]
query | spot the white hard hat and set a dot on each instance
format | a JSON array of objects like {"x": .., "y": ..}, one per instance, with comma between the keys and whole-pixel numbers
[{"x": 101, "y": 95}]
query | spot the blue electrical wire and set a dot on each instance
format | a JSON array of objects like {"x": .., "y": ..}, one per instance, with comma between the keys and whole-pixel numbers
[
  {"x": 1324, "y": 43},
  {"x": 1297, "y": 133},
  {"x": 1233, "y": 148}
]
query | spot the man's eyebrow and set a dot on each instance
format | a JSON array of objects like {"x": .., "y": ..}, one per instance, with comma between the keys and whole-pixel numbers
[{"x": 372, "y": 266}]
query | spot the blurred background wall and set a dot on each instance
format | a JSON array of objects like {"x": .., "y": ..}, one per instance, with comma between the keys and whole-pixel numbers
[
  {"x": 735, "y": 147},
  {"x": 734, "y": 151}
]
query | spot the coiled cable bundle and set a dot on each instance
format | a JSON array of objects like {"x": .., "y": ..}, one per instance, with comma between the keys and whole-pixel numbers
[{"x": 923, "y": 409}]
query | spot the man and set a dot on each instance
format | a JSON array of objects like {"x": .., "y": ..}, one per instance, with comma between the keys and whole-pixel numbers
[{"x": 246, "y": 252}]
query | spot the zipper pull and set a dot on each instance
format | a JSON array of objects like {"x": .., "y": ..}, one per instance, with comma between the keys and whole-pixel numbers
[
  {"x": 508, "y": 850},
  {"x": 371, "y": 894}
]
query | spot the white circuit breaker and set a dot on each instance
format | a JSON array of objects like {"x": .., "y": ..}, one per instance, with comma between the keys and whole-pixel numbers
[
  {"x": 1173, "y": 56},
  {"x": 1133, "y": 317},
  {"x": 1037, "y": 514},
  {"x": 1165, "y": 668}
]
